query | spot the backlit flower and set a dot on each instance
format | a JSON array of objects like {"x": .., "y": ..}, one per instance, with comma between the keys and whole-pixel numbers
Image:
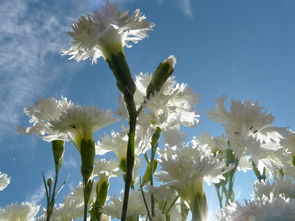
[
  {"x": 108, "y": 168},
  {"x": 4, "y": 181},
  {"x": 262, "y": 209},
  {"x": 81, "y": 122},
  {"x": 135, "y": 205},
  {"x": 106, "y": 32},
  {"x": 244, "y": 118},
  {"x": 169, "y": 108},
  {"x": 185, "y": 168},
  {"x": 45, "y": 110},
  {"x": 19, "y": 212},
  {"x": 280, "y": 186}
]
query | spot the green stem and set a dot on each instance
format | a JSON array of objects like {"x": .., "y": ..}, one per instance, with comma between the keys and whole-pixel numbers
[
  {"x": 218, "y": 195},
  {"x": 129, "y": 100},
  {"x": 155, "y": 140},
  {"x": 85, "y": 211},
  {"x": 50, "y": 204},
  {"x": 145, "y": 203},
  {"x": 172, "y": 204},
  {"x": 125, "y": 83}
]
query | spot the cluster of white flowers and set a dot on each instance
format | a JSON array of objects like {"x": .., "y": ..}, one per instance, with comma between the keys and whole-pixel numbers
[
  {"x": 171, "y": 107},
  {"x": 264, "y": 209},
  {"x": 162, "y": 108},
  {"x": 271, "y": 201},
  {"x": 251, "y": 136}
]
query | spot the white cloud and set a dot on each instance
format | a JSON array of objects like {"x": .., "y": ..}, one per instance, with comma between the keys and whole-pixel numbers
[
  {"x": 184, "y": 6},
  {"x": 70, "y": 162},
  {"x": 31, "y": 31},
  {"x": 37, "y": 195}
]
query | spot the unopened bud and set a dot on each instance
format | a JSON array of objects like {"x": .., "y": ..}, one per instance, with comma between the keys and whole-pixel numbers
[
  {"x": 58, "y": 152},
  {"x": 161, "y": 74},
  {"x": 49, "y": 182}
]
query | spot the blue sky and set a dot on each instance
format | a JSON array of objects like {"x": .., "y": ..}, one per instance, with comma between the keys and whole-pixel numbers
[{"x": 244, "y": 49}]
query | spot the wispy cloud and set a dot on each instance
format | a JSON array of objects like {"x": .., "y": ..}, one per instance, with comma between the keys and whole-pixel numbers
[
  {"x": 184, "y": 6},
  {"x": 70, "y": 162},
  {"x": 30, "y": 31}
]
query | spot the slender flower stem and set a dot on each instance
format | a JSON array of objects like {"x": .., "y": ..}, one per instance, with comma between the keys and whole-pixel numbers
[
  {"x": 58, "y": 150},
  {"x": 125, "y": 83},
  {"x": 129, "y": 100},
  {"x": 172, "y": 204},
  {"x": 155, "y": 140},
  {"x": 85, "y": 211},
  {"x": 217, "y": 187},
  {"x": 145, "y": 203}
]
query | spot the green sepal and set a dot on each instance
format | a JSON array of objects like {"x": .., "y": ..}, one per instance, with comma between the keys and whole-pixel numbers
[
  {"x": 123, "y": 165},
  {"x": 160, "y": 76},
  {"x": 102, "y": 193},
  {"x": 58, "y": 152},
  {"x": 230, "y": 157},
  {"x": 148, "y": 175},
  {"x": 281, "y": 171},
  {"x": 121, "y": 71},
  {"x": 293, "y": 160},
  {"x": 87, "y": 153},
  {"x": 87, "y": 188},
  {"x": 102, "y": 188},
  {"x": 156, "y": 137},
  {"x": 199, "y": 207}
]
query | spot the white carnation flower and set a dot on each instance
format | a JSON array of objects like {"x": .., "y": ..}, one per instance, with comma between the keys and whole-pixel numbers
[
  {"x": 289, "y": 142},
  {"x": 262, "y": 209},
  {"x": 117, "y": 142},
  {"x": 280, "y": 186},
  {"x": 19, "y": 212},
  {"x": 135, "y": 205},
  {"x": 165, "y": 197},
  {"x": 81, "y": 122},
  {"x": 73, "y": 205},
  {"x": 45, "y": 110},
  {"x": 244, "y": 118},
  {"x": 169, "y": 108},
  {"x": 183, "y": 167},
  {"x": 109, "y": 168},
  {"x": 106, "y": 32},
  {"x": 4, "y": 181}
]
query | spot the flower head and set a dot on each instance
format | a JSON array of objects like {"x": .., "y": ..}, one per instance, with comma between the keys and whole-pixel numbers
[
  {"x": 45, "y": 110},
  {"x": 262, "y": 209},
  {"x": 106, "y": 32},
  {"x": 73, "y": 205},
  {"x": 4, "y": 181},
  {"x": 107, "y": 168},
  {"x": 81, "y": 122},
  {"x": 169, "y": 108},
  {"x": 244, "y": 118},
  {"x": 185, "y": 168},
  {"x": 280, "y": 186},
  {"x": 135, "y": 206},
  {"x": 20, "y": 212}
]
